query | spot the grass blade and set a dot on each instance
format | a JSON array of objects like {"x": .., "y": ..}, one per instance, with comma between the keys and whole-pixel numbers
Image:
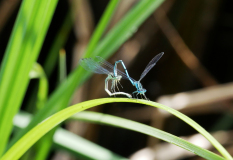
[
  {"x": 22, "y": 51},
  {"x": 100, "y": 118},
  {"x": 38, "y": 72},
  {"x": 127, "y": 26},
  {"x": 101, "y": 27},
  {"x": 60, "y": 40},
  {"x": 82, "y": 148},
  {"x": 43, "y": 146},
  {"x": 70, "y": 142},
  {"x": 16, "y": 151}
]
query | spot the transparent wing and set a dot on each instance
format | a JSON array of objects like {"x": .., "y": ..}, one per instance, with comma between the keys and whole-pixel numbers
[
  {"x": 90, "y": 65},
  {"x": 110, "y": 67},
  {"x": 151, "y": 64},
  {"x": 105, "y": 64}
]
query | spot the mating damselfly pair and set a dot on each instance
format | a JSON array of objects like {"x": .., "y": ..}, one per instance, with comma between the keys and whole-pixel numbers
[{"x": 100, "y": 66}]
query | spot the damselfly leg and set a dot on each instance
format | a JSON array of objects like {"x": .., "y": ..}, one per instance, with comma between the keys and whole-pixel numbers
[{"x": 100, "y": 67}]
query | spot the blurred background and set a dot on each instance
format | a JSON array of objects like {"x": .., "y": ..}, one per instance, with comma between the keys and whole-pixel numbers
[{"x": 194, "y": 75}]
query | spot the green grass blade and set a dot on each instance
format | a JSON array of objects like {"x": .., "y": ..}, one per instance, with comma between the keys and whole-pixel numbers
[
  {"x": 59, "y": 42},
  {"x": 22, "y": 51},
  {"x": 20, "y": 147},
  {"x": 59, "y": 100},
  {"x": 9, "y": 68},
  {"x": 43, "y": 145},
  {"x": 70, "y": 142},
  {"x": 102, "y": 25},
  {"x": 52, "y": 57},
  {"x": 38, "y": 72},
  {"x": 126, "y": 27},
  {"x": 100, "y": 118},
  {"x": 82, "y": 148}
]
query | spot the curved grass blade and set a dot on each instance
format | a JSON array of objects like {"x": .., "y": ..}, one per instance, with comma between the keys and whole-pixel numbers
[
  {"x": 38, "y": 72},
  {"x": 20, "y": 147},
  {"x": 70, "y": 142},
  {"x": 105, "y": 119}
]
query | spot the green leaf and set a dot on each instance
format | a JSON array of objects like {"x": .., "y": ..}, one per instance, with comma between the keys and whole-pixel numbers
[
  {"x": 126, "y": 27},
  {"x": 102, "y": 25},
  {"x": 114, "y": 121},
  {"x": 70, "y": 142},
  {"x": 59, "y": 42},
  {"x": 16, "y": 151},
  {"x": 81, "y": 147},
  {"x": 38, "y": 72},
  {"x": 22, "y": 51}
]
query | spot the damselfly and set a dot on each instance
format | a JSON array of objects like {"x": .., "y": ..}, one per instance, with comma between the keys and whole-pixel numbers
[
  {"x": 100, "y": 66},
  {"x": 137, "y": 84}
]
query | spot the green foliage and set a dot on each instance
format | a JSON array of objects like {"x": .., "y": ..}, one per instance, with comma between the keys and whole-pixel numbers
[
  {"x": 41, "y": 129},
  {"x": 101, "y": 27},
  {"x": 105, "y": 119},
  {"x": 60, "y": 39},
  {"x": 70, "y": 142},
  {"x": 21, "y": 54},
  {"x": 22, "y": 51},
  {"x": 38, "y": 72}
]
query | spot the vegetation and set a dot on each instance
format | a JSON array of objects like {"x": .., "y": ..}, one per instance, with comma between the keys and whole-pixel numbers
[{"x": 19, "y": 66}]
